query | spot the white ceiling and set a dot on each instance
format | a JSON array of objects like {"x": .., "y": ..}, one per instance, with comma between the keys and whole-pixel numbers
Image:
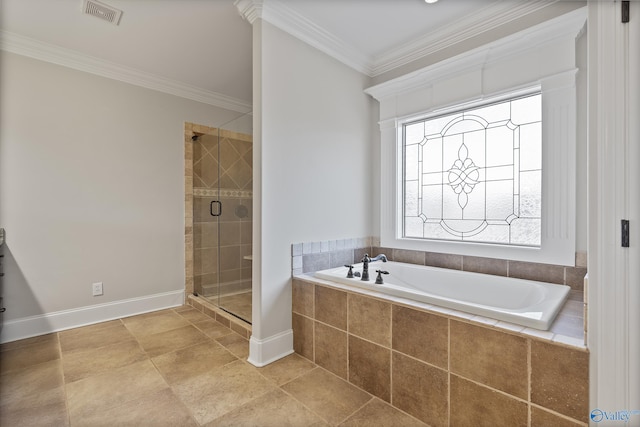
[
  {"x": 205, "y": 45},
  {"x": 375, "y": 27}
]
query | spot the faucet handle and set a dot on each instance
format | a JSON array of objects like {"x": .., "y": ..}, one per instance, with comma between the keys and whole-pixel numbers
[
  {"x": 379, "y": 280},
  {"x": 350, "y": 273}
]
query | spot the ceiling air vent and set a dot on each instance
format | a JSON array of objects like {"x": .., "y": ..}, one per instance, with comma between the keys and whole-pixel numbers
[{"x": 102, "y": 11}]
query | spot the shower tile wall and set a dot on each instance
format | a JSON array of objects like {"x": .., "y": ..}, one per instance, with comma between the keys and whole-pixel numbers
[{"x": 222, "y": 250}]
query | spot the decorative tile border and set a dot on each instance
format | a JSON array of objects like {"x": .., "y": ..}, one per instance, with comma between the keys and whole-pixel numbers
[{"x": 222, "y": 192}]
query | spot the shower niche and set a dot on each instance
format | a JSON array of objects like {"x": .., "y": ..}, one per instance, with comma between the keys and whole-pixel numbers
[{"x": 222, "y": 173}]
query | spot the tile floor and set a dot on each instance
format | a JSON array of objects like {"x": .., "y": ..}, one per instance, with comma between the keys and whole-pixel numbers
[{"x": 175, "y": 367}]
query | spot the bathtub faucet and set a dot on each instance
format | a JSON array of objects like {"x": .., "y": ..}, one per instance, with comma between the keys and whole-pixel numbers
[{"x": 365, "y": 265}]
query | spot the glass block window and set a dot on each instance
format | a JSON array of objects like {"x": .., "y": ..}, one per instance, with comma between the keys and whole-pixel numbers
[{"x": 475, "y": 175}]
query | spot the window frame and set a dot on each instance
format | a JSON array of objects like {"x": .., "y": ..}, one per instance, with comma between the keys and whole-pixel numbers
[{"x": 542, "y": 56}]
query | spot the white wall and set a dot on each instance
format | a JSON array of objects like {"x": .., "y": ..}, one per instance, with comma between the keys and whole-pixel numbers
[
  {"x": 315, "y": 139},
  {"x": 91, "y": 187}
]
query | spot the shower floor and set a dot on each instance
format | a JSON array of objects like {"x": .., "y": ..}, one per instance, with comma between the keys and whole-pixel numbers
[{"x": 237, "y": 303}]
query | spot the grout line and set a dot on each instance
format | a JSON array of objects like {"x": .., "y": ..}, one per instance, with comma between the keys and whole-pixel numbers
[
  {"x": 449, "y": 370},
  {"x": 348, "y": 340},
  {"x": 301, "y": 402},
  {"x": 391, "y": 311},
  {"x": 358, "y": 409},
  {"x": 64, "y": 380},
  {"x": 529, "y": 376},
  {"x": 557, "y": 414}
]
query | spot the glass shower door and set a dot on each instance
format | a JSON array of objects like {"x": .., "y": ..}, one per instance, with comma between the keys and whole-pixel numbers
[{"x": 222, "y": 214}]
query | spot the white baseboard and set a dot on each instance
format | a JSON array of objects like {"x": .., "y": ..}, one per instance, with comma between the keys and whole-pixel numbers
[
  {"x": 263, "y": 352},
  {"x": 47, "y": 323}
]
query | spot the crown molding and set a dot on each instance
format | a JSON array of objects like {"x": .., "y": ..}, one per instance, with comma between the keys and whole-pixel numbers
[
  {"x": 32, "y": 48},
  {"x": 249, "y": 9},
  {"x": 279, "y": 14},
  {"x": 469, "y": 26}
]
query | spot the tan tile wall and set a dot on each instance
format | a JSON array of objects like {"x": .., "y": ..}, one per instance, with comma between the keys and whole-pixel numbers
[{"x": 440, "y": 369}]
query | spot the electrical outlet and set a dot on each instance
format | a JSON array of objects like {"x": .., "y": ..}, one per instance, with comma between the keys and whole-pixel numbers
[{"x": 97, "y": 289}]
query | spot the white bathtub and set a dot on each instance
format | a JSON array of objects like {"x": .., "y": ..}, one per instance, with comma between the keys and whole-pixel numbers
[{"x": 523, "y": 302}]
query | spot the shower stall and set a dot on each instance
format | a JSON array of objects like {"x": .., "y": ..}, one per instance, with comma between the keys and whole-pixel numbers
[{"x": 223, "y": 215}]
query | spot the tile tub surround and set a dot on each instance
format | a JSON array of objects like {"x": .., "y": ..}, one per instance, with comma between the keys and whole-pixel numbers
[
  {"x": 307, "y": 258},
  {"x": 440, "y": 368}
]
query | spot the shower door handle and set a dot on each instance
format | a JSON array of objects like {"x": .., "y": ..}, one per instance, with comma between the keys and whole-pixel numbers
[{"x": 219, "y": 211}]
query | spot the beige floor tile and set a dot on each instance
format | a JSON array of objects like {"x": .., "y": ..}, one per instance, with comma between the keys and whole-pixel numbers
[
  {"x": 43, "y": 408},
  {"x": 287, "y": 369},
  {"x": 381, "y": 414},
  {"x": 325, "y": 394},
  {"x": 274, "y": 409},
  {"x": 29, "y": 355},
  {"x": 91, "y": 328},
  {"x": 160, "y": 409},
  {"x": 28, "y": 341},
  {"x": 171, "y": 340},
  {"x": 193, "y": 315},
  {"x": 19, "y": 384},
  {"x": 83, "y": 363},
  {"x": 213, "y": 329},
  {"x": 214, "y": 393},
  {"x": 113, "y": 388},
  {"x": 153, "y": 323},
  {"x": 192, "y": 361},
  {"x": 182, "y": 308},
  {"x": 94, "y": 336},
  {"x": 235, "y": 344}
]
